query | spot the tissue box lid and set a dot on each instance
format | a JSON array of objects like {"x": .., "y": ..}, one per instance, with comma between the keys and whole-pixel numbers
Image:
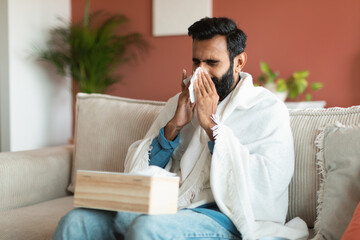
[{"x": 126, "y": 192}]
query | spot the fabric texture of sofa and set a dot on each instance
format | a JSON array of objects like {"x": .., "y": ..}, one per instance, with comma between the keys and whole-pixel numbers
[{"x": 36, "y": 186}]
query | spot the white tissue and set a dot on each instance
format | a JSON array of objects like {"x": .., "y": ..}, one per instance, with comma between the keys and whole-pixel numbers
[
  {"x": 155, "y": 172},
  {"x": 191, "y": 86}
]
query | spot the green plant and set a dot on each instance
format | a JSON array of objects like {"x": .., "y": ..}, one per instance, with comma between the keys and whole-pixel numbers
[
  {"x": 295, "y": 85},
  {"x": 92, "y": 50}
]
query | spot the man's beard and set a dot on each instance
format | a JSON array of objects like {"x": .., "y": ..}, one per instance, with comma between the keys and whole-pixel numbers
[{"x": 224, "y": 85}]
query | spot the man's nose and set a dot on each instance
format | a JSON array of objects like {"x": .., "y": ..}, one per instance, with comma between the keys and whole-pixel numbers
[{"x": 204, "y": 66}]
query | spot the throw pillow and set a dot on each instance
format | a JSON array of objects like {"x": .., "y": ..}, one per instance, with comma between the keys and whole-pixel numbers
[
  {"x": 353, "y": 230},
  {"x": 339, "y": 194},
  {"x": 305, "y": 183},
  {"x": 105, "y": 128}
]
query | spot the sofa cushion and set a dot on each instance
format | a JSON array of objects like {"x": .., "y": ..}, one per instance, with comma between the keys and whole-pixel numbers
[
  {"x": 36, "y": 222},
  {"x": 305, "y": 125},
  {"x": 339, "y": 194},
  {"x": 105, "y": 128},
  {"x": 33, "y": 176}
]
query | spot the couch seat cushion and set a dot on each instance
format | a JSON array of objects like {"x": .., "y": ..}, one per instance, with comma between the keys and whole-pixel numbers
[{"x": 35, "y": 222}]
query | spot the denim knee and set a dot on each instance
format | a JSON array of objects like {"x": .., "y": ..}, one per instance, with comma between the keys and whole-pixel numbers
[
  {"x": 76, "y": 215},
  {"x": 70, "y": 223},
  {"x": 83, "y": 223},
  {"x": 145, "y": 227}
]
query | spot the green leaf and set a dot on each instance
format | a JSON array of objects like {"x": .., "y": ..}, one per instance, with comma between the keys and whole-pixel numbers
[
  {"x": 301, "y": 74},
  {"x": 308, "y": 97},
  {"x": 301, "y": 84},
  {"x": 268, "y": 75},
  {"x": 265, "y": 68},
  {"x": 281, "y": 85},
  {"x": 261, "y": 78},
  {"x": 296, "y": 86},
  {"x": 317, "y": 86},
  {"x": 271, "y": 79}
]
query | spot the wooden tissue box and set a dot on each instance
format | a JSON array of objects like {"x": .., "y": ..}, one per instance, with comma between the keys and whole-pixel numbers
[{"x": 126, "y": 192}]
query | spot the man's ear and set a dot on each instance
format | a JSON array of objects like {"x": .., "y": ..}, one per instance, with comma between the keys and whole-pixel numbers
[{"x": 240, "y": 61}]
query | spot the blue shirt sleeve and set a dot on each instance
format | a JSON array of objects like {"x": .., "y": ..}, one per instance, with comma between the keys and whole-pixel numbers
[
  {"x": 211, "y": 145},
  {"x": 162, "y": 149}
]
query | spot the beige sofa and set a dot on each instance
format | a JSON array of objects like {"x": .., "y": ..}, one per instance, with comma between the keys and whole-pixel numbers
[{"x": 35, "y": 186}]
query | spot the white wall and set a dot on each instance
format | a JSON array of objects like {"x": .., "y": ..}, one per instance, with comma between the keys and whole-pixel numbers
[{"x": 39, "y": 101}]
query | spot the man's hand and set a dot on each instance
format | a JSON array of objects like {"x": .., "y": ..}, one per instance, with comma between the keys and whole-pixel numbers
[
  {"x": 206, "y": 102},
  {"x": 183, "y": 114}
]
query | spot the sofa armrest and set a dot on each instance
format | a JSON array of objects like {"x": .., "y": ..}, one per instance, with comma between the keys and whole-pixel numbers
[{"x": 34, "y": 176}]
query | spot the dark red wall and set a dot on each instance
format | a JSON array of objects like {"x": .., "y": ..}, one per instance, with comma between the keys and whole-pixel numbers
[{"x": 321, "y": 36}]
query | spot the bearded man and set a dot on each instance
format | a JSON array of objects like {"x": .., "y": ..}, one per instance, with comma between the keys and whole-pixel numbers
[{"x": 232, "y": 149}]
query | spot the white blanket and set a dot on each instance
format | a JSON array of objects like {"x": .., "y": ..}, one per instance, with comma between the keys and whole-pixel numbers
[{"x": 251, "y": 166}]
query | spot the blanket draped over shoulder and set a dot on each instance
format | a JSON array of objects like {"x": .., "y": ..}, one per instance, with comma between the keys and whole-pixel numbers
[{"x": 251, "y": 166}]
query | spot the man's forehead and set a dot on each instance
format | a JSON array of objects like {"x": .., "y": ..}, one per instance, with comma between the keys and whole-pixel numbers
[{"x": 213, "y": 48}]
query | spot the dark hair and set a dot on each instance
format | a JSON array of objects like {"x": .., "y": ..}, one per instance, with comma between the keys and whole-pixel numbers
[{"x": 207, "y": 28}]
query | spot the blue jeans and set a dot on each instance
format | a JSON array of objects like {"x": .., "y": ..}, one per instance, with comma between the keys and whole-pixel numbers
[{"x": 82, "y": 223}]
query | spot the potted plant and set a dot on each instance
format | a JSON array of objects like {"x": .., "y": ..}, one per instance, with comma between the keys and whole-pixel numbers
[
  {"x": 292, "y": 87},
  {"x": 90, "y": 51}
]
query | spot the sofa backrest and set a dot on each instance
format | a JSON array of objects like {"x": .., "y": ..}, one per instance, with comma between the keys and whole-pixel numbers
[{"x": 106, "y": 126}]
